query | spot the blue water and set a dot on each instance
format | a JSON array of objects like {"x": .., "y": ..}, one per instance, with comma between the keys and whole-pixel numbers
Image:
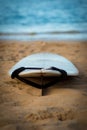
[{"x": 43, "y": 17}]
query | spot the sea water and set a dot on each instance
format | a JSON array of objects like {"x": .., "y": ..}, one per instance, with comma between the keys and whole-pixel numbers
[{"x": 43, "y": 19}]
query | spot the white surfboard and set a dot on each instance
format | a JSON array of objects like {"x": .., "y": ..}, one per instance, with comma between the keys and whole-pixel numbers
[{"x": 44, "y": 61}]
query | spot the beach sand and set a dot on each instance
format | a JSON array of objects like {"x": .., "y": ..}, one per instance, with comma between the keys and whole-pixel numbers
[{"x": 63, "y": 106}]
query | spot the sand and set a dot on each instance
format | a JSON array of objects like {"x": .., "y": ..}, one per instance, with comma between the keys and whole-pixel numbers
[{"x": 63, "y": 106}]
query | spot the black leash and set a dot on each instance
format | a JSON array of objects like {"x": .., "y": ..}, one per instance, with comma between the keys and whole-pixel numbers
[{"x": 16, "y": 72}]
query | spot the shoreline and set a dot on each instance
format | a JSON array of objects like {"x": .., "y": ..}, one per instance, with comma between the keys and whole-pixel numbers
[
  {"x": 43, "y": 41},
  {"x": 63, "y": 106},
  {"x": 45, "y": 36}
]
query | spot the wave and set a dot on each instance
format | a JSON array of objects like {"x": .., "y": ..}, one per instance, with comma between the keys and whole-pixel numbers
[
  {"x": 45, "y": 28},
  {"x": 45, "y": 36},
  {"x": 45, "y": 32}
]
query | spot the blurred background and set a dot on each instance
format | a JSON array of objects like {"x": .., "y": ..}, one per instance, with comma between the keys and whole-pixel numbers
[{"x": 47, "y": 19}]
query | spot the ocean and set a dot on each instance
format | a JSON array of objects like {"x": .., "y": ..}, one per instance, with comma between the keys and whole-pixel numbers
[{"x": 47, "y": 19}]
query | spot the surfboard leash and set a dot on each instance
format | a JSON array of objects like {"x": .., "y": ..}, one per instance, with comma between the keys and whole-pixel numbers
[{"x": 15, "y": 74}]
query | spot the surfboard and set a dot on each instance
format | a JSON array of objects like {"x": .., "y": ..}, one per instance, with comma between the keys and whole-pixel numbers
[
  {"x": 44, "y": 61},
  {"x": 43, "y": 65}
]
